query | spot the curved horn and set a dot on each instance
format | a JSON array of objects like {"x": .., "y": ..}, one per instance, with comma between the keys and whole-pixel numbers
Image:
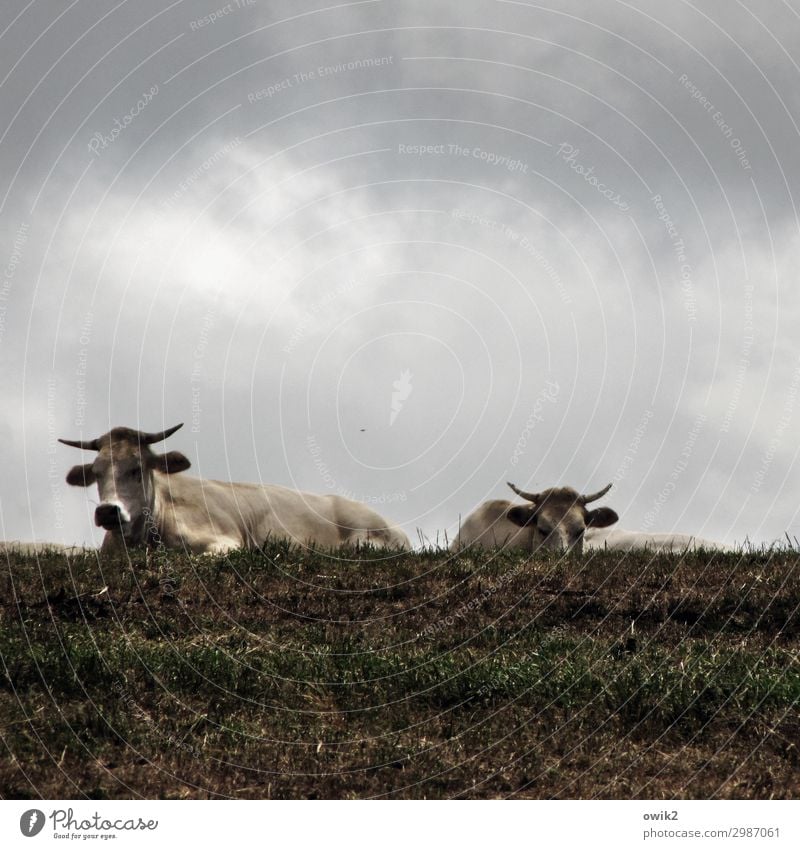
[
  {"x": 150, "y": 438},
  {"x": 86, "y": 444},
  {"x": 528, "y": 496},
  {"x": 586, "y": 499}
]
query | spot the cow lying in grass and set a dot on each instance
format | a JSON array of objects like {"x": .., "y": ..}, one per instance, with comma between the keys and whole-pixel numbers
[
  {"x": 558, "y": 518},
  {"x": 146, "y": 500}
]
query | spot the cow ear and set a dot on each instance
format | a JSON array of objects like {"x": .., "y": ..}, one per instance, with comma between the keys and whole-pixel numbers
[
  {"x": 171, "y": 462},
  {"x": 81, "y": 476},
  {"x": 602, "y": 517},
  {"x": 522, "y": 516}
]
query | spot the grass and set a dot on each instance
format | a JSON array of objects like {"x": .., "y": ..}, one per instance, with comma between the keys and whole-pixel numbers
[{"x": 291, "y": 673}]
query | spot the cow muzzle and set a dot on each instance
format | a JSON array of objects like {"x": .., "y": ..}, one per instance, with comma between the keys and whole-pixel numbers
[
  {"x": 111, "y": 516},
  {"x": 563, "y": 544}
]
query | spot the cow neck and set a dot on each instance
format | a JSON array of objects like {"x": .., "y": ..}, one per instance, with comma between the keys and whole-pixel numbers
[{"x": 154, "y": 528}]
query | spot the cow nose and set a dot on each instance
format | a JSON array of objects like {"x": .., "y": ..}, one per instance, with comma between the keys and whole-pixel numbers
[{"x": 109, "y": 516}]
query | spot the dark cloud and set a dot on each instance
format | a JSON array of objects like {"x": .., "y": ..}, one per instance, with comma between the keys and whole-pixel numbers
[{"x": 569, "y": 235}]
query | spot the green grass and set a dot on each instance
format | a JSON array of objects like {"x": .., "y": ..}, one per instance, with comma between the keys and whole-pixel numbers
[{"x": 299, "y": 674}]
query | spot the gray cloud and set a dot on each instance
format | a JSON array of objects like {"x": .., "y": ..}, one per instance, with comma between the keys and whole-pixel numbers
[{"x": 573, "y": 228}]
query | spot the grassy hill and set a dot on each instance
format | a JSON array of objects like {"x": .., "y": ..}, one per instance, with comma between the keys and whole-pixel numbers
[{"x": 297, "y": 674}]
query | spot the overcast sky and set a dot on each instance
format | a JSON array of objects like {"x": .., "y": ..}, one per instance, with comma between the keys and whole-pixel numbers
[{"x": 407, "y": 251}]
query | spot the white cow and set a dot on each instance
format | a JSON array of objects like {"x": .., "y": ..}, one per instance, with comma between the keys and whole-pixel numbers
[
  {"x": 145, "y": 500},
  {"x": 555, "y": 518}
]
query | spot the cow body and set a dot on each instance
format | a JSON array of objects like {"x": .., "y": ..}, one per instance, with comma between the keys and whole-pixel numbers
[
  {"x": 622, "y": 540},
  {"x": 215, "y": 516},
  {"x": 488, "y": 526},
  {"x": 145, "y": 500}
]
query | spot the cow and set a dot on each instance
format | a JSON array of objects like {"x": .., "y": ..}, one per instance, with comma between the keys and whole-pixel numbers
[
  {"x": 146, "y": 500},
  {"x": 555, "y": 518}
]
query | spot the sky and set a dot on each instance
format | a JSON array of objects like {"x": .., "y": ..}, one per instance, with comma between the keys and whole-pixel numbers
[{"x": 407, "y": 251}]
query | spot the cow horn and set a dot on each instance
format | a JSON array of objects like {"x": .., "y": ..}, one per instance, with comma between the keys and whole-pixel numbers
[
  {"x": 586, "y": 499},
  {"x": 528, "y": 496},
  {"x": 150, "y": 438},
  {"x": 86, "y": 444}
]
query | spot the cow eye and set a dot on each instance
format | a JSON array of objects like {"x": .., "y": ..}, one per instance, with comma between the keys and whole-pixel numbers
[{"x": 134, "y": 473}]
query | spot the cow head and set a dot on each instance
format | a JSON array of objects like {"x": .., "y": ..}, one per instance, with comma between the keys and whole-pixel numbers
[
  {"x": 124, "y": 471},
  {"x": 559, "y": 517}
]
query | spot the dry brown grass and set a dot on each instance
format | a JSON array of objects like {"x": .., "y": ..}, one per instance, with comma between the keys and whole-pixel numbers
[{"x": 294, "y": 674}]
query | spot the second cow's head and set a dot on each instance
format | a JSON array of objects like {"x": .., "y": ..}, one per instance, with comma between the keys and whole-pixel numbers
[{"x": 559, "y": 517}]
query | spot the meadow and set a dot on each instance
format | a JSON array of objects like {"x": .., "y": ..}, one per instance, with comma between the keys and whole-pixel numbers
[{"x": 291, "y": 673}]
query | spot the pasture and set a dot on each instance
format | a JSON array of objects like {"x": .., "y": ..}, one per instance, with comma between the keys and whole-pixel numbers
[{"x": 297, "y": 674}]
